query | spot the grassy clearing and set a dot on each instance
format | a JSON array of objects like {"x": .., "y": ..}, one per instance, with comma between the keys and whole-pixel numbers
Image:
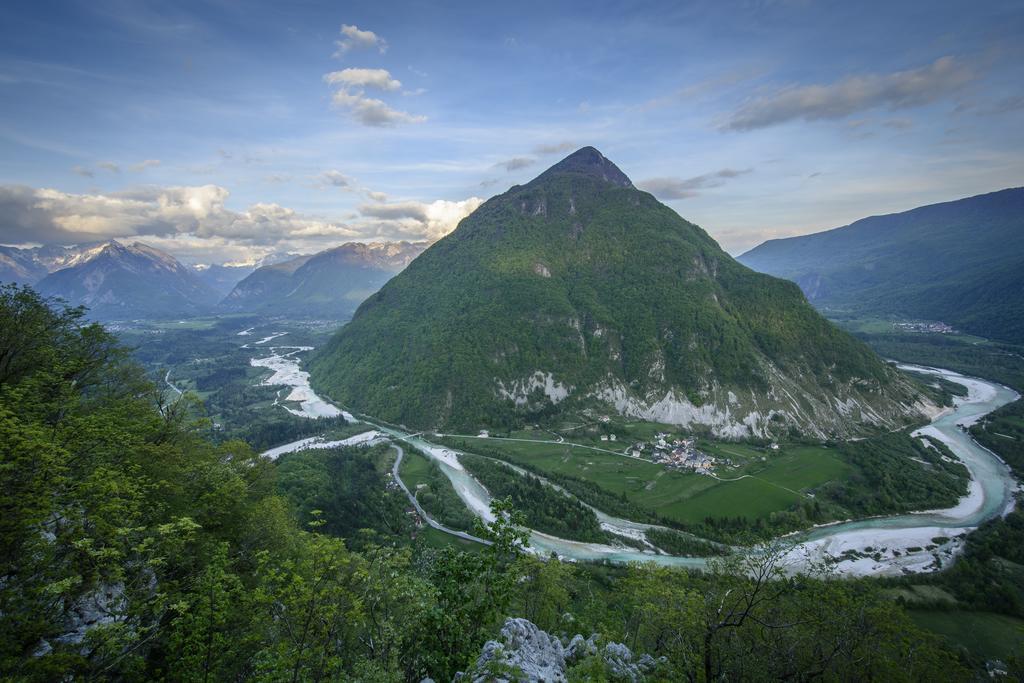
[
  {"x": 761, "y": 482},
  {"x": 414, "y": 470},
  {"x": 983, "y": 634},
  {"x": 432, "y": 538}
]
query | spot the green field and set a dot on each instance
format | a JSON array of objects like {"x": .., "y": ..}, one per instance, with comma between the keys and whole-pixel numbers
[
  {"x": 414, "y": 469},
  {"x": 764, "y": 481},
  {"x": 983, "y": 634},
  {"x": 432, "y": 538}
]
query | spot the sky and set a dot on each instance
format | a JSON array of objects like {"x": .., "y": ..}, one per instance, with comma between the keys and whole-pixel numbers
[{"x": 226, "y": 131}]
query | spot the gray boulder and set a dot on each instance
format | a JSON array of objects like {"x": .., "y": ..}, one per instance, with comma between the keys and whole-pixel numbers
[
  {"x": 525, "y": 654},
  {"x": 522, "y": 653}
]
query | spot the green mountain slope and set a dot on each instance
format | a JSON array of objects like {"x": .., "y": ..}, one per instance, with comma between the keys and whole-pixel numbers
[
  {"x": 960, "y": 262},
  {"x": 579, "y": 291}
]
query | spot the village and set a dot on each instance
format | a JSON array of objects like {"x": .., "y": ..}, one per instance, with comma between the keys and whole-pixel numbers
[
  {"x": 673, "y": 453},
  {"x": 932, "y": 327}
]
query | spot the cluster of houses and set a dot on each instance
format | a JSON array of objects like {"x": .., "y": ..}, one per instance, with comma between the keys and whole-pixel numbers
[
  {"x": 677, "y": 453},
  {"x": 937, "y": 327}
]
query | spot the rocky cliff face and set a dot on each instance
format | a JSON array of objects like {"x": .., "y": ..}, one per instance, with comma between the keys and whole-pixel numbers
[{"x": 524, "y": 653}]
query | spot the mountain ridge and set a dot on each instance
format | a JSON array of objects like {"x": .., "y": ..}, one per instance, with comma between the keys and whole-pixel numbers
[
  {"x": 328, "y": 284},
  {"x": 116, "y": 281},
  {"x": 577, "y": 291},
  {"x": 961, "y": 262}
]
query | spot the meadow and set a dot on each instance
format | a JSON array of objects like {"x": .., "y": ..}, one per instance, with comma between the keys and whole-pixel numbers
[{"x": 759, "y": 481}]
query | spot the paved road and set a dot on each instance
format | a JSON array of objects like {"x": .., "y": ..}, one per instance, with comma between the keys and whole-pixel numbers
[{"x": 423, "y": 514}]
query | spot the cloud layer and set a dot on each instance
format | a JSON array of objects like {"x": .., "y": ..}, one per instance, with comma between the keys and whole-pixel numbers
[
  {"x": 197, "y": 216},
  {"x": 899, "y": 90},
  {"x": 351, "y": 95},
  {"x": 684, "y": 188}
]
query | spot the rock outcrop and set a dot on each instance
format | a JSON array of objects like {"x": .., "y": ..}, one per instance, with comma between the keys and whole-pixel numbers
[{"x": 525, "y": 653}]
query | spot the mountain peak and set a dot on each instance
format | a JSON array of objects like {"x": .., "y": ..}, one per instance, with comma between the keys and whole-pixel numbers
[{"x": 588, "y": 161}]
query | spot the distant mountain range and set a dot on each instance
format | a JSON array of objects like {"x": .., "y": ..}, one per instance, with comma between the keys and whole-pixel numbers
[
  {"x": 959, "y": 262},
  {"x": 119, "y": 282},
  {"x": 329, "y": 284},
  {"x": 28, "y": 266},
  {"x": 577, "y": 293}
]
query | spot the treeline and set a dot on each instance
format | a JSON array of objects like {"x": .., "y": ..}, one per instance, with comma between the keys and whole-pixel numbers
[
  {"x": 437, "y": 497},
  {"x": 267, "y": 429},
  {"x": 999, "y": 362},
  {"x": 889, "y": 476},
  {"x": 545, "y": 508},
  {"x": 1002, "y": 431},
  {"x": 348, "y": 490},
  {"x": 684, "y": 545}
]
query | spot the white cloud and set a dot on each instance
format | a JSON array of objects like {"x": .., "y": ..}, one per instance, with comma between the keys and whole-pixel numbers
[
  {"x": 109, "y": 166},
  {"x": 684, "y": 188},
  {"x": 899, "y": 90},
  {"x": 421, "y": 220},
  {"x": 363, "y": 78},
  {"x": 196, "y": 218},
  {"x": 370, "y": 111},
  {"x": 367, "y": 110},
  {"x": 83, "y": 171},
  {"x": 355, "y": 38}
]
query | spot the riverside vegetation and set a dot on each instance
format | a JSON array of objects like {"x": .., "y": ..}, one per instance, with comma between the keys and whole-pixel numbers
[{"x": 132, "y": 547}]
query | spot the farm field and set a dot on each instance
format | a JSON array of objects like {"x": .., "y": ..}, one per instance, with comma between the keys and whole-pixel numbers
[{"x": 759, "y": 483}]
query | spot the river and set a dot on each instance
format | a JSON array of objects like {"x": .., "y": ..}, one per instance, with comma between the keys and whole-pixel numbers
[{"x": 883, "y": 546}]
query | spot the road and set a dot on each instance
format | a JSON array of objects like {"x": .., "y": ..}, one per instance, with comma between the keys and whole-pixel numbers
[{"x": 416, "y": 504}]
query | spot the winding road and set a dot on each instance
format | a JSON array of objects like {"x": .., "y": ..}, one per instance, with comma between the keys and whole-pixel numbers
[{"x": 419, "y": 509}]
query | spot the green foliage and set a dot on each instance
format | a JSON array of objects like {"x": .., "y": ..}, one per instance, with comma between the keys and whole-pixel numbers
[
  {"x": 1002, "y": 432},
  {"x": 589, "y": 281},
  {"x": 888, "y": 476},
  {"x": 998, "y": 362},
  {"x": 347, "y": 489},
  {"x": 434, "y": 491},
  {"x": 676, "y": 543},
  {"x": 545, "y": 508},
  {"x": 195, "y": 568}
]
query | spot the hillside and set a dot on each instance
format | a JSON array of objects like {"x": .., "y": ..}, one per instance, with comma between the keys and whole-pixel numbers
[
  {"x": 119, "y": 282},
  {"x": 577, "y": 291},
  {"x": 222, "y": 278},
  {"x": 959, "y": 262},
  {"x": 329, "y": 284}
]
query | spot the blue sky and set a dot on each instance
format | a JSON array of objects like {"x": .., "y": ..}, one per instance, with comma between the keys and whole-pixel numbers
[{"x": 224, "y": 130}]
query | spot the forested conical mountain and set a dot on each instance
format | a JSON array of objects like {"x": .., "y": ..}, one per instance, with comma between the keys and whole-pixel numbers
[
  {"x": 119, "y": 282},
  {"x": 579, "y": 291},
  {"x": 328, "y": 284},
  {"x": 960, "y": 262}
]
